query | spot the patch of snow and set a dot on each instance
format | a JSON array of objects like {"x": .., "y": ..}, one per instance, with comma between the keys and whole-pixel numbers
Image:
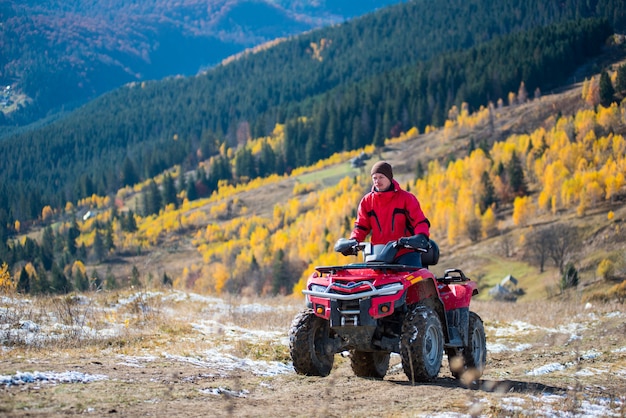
[
  {"x": 590, "y": 355},
  {"x": 209, "y": 327},
  {"x": 135, "y": 361},
  {"x": 178, "y": 296},
  {"x": 515, "y": 328},
  {"x": 587, "y": 409},
  {"x": 5, "y": 300},
  {"x": 590, "y": 372},
  {"x": 223, "y": 391},
  {"x": 21, "y": 378},
  {"x": 573, "y": 338},
  {"x": 500, "y": 348},
  {"x": 553, "y": 367},
  {"x": 223, "y": 363},
  {"x": 548, "y": 368}
]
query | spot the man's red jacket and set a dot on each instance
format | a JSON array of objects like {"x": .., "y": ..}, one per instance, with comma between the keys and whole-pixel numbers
[{"x": 389, "y": 215}]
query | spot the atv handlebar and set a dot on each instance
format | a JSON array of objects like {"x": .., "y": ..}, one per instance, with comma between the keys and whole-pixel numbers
[
  {"x": 417, "y": 242},
  {"x": 351, "y": 246}
]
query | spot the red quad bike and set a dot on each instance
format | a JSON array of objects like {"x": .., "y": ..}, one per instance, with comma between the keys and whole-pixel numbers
[{"x": 376, "y": 308}]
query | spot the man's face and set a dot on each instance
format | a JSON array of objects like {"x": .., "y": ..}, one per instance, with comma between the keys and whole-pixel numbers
[{"x": 381, "y": 182}]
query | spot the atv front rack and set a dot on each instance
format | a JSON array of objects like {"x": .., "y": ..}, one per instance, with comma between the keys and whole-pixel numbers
[{"x": 361, "y": 266}]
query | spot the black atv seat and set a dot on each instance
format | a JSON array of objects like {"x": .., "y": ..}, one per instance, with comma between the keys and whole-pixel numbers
[{"x": 431, "y": 257}]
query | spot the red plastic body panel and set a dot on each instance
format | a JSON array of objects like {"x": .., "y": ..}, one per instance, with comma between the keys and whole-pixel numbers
[{"x": 457, "y": 295}]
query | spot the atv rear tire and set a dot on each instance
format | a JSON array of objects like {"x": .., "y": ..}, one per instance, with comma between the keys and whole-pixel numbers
[
  {"x": 369, "y": 363},
  {"x": 474, "y": 355},
  {"x": 421, "y": 344},
  {"x": 308, "y": 345}
]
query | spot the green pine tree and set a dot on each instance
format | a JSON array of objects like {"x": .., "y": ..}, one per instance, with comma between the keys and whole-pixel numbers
[{"x": 606, "y": 89}]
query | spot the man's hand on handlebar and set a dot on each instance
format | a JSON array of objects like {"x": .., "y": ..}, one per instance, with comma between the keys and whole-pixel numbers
[
  {"x": 347, "y": 246},
  {"x": 418, "y": 242}
]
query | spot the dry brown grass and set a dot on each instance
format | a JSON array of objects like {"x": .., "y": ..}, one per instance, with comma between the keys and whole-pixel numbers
[{"x": 164, "y": 353}]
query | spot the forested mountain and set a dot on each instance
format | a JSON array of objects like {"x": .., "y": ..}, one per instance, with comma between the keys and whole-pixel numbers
[
  {"x": 336, "y": 88},
  {"x": 58, "y": 53}
]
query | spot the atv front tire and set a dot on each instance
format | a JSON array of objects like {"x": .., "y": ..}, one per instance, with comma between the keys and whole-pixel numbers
[
  {"x": 369, "y": 363},
  {"x": 474, "y": 355},
  {"x": 309, "y": 345},
  {"x": 421, "y": 344}
]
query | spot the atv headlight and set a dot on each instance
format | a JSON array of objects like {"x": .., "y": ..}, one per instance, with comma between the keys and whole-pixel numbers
[
  {"x": 391, "y": 288},
  {"x": 318, "y": 288},
  {"x": 387, "y": 286}
]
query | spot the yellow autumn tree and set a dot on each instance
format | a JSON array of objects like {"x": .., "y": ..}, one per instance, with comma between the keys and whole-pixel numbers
[
  {"x": 523, "y": 210},
  {"x": 488, "y": 223},
  {"x": 46, "y": 213},
  {"x": 220, "y": 276},
  {"x": 7, "y": 285},
  {"x": 591, "y": 91}
]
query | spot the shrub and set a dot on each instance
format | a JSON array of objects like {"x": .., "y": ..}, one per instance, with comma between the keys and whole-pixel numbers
[
  {"x": 606, "y": 269},
  {"x": 570, "y": 277}
]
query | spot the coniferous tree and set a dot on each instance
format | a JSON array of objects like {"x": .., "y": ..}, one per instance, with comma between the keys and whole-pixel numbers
[
  {"x": 244, "y": 164},
  {"x": 488, "y": 196},
  {"x": 606, "y": 89},
  {"x": 192, "y": 193},
  {"x": 181, "y": 184},
  {"x": 59, "y": 283},
  {"x": 280, "y": 279},
  {"x": 152, "y": 199},
  {"x": 515, "y": 173},
  {"x": 129, "y": 174},
  {"x": 81, "y": 282},
  {"x": 109, "y": 242},
  {"x": 47, "y": 247},
  {"x": 41, "y": 284},
  {"x": 73, "y": 233},
  {"x": 128, "y": 222},
  {"x": 267, "y": 160},
  {"x": 166, "y": 280},
  {"x": 98, "y": 246},
  {"x": 23, "y": 284},
  {"x": 169, "y": 191},
  {"x": 134, "y": 278},
  {"x": 110, "y": 282},
  {"x": 620, "y": 81},
  {"x": 419, "y": 170}
]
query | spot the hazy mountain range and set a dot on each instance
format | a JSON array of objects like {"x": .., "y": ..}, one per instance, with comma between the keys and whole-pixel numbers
[{"x": 56, "y": 54}]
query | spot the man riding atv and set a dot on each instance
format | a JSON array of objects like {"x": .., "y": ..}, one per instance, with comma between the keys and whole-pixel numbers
[
  {"x": 391, "y": 302},
  {"x": 390, "y": 213}
]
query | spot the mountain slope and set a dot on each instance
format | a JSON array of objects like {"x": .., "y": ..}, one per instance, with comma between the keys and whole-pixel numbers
[
  {"x": 248, "y": 96},
  {"x": 312, "y": 208},
  {"x": 61, "y": 53}
]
